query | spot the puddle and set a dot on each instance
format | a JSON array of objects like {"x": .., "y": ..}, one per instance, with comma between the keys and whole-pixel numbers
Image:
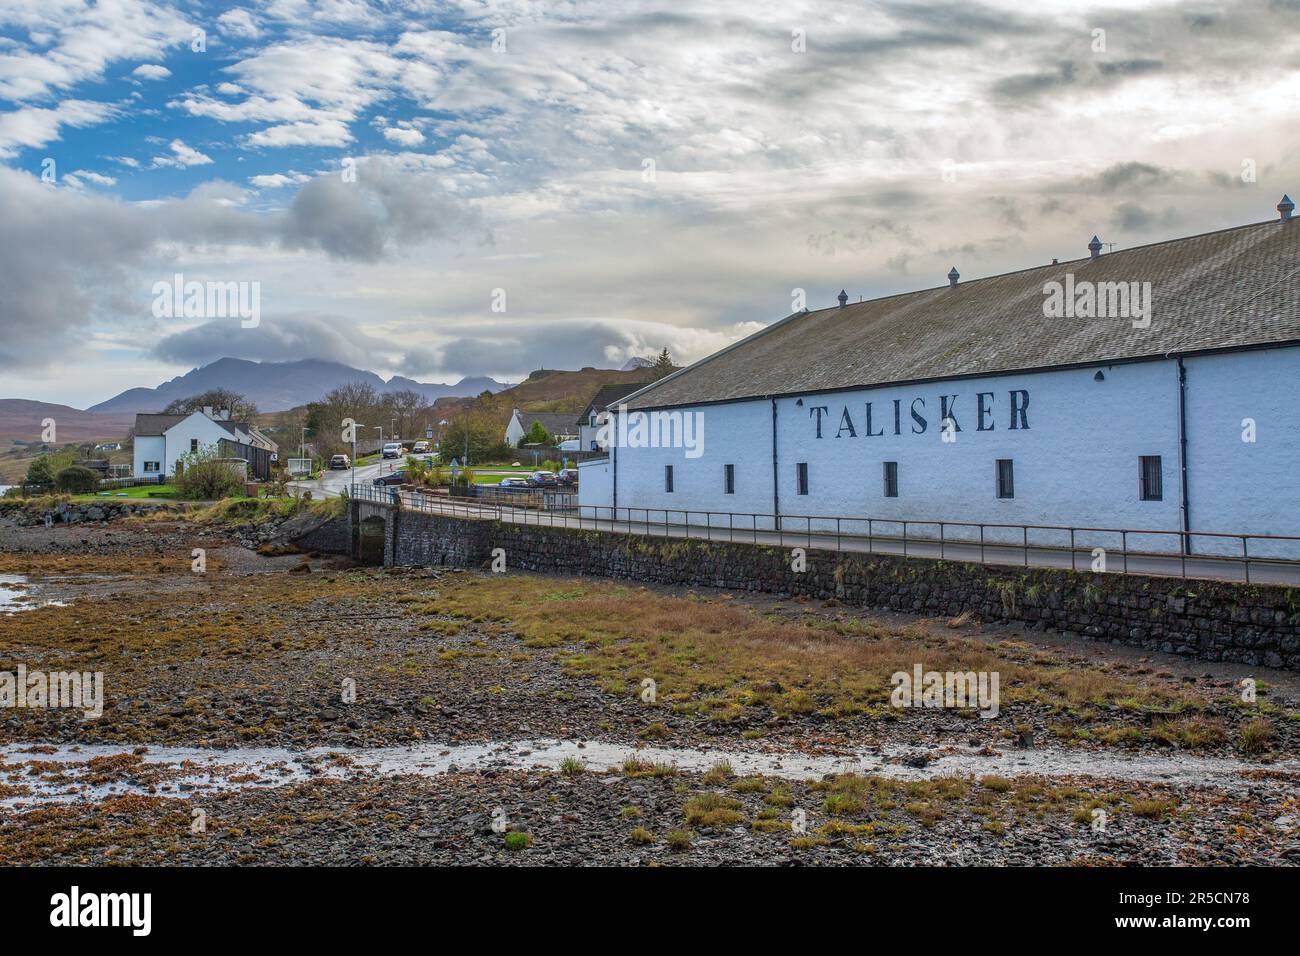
[
  {"x": 66, "y": 773},
  {"x": 17, "y": 594}
]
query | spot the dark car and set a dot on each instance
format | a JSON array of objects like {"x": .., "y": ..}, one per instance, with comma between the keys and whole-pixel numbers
[
  {"x": 393, "y": 478},
  {"x": 569, "y": 477}
]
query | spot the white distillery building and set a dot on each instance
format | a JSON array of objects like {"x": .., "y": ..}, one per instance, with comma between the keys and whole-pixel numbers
[{"x": 970, "y": 403}]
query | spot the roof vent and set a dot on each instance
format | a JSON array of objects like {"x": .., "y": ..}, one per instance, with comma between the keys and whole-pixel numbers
[
  {"x": 1285, "y": 208},
  {"x": 953, "y": 276},
  {"x": 843, "y": 297},
  {"x": 1094, "y": 247}
]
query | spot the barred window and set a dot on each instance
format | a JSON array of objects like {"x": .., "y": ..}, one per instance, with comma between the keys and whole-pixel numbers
[
  {"x": 801, "y": 471},
  {"x": 1006, "y": 479},
  {"x": 1150, "y": 478},
  {"x": 729, "y": 479},
  {"x": 668, "y": 478},
  {"x": 891, "y": 479}
]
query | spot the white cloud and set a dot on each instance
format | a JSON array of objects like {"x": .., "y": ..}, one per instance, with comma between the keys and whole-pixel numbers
[
  {"x": 34, "y": 126},
  {"x": 181, "y": 156},
  {"x": 278, "y": 180},
  {"x": 403, "y": 136},
  {"x": 238, "y": 23},
  {"x": 99, "y": 179},
  {"x": 151, "y": 71},
  {"x": 71, "y": 42}
]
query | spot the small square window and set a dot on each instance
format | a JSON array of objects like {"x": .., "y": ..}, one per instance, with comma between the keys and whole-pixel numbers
[
  {"x": 1006, "y": 479},
  {"x": 801, "y": 472},
  {"x": 194, "y": 444},
  {"x": 729, "y": 479},
  {"x": 668, "y": 478},
  {"x": 1151, "y": 478},
  {"x": 891, "y": 479}
]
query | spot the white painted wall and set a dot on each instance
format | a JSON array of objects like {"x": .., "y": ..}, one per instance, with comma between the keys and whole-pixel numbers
[
  {"x": 149, "y": 448},
  {"x": 596, "y": 484},
  {"x": 514, "y": 430},
  {"x": 1235, "y": 485},
  {"x": 1076, "y": 464}
]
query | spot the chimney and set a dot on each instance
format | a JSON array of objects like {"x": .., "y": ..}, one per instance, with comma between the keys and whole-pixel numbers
[
  {"x": 843, "y": 297},
  {"x": 207, "y": 410},
  {"x": 1285, "y": 208},
  {"x": 953, "y": 276},
  {"x": 1094, "y": 247},
  {"x": 224, "y": 414}
]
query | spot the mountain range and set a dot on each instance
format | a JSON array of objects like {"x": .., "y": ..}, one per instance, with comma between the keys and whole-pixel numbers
[{"x": 276, "y": 386}]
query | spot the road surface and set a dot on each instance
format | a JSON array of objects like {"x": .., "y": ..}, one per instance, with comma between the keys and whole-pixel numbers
[{"x": 332, "y": 483}]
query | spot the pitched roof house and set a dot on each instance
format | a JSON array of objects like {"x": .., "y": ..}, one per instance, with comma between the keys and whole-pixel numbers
[
  {"x": 559, "y": 425},
  {"x": 162, "y": 439}
]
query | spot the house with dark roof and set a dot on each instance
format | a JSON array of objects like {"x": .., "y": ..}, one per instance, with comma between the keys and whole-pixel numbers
[
  {"x": 593, "y": 416},
  {"x": 1150, "y": 388},
  {"x": 560, "y": 426},
  {"x": 161, "y": 439}
]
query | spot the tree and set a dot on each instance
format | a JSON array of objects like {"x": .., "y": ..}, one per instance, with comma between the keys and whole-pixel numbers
[
  {"x": 663, "y": 365},
  {"x": 482, "y": 433},
  {"x": 241, "y": 409},
  {"x": 537, "y": 435},
  {"x": 39, "y": 472}
]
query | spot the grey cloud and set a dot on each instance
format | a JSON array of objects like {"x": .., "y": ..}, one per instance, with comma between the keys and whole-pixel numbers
[
  {"x": 278, "y": 338},
  {"x": 68, "y": 259}
]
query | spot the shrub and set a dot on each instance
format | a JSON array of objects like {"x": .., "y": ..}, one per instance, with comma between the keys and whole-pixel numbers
[
  {"x": 76, "y": 480},
  {"x": 205, "y": 476}
]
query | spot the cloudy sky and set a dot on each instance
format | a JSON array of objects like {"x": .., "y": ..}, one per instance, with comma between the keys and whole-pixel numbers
[{"x": 440, "y": 189}]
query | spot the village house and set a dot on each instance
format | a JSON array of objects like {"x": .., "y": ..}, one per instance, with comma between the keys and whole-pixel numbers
[{"x": 160, "y": 440}]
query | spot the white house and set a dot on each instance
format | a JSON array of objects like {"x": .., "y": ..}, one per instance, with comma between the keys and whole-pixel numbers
[
  {"x": 161, "y": 439},
  {"x": 559, "y": 426},
  {"x": 1151, "y": 388}
]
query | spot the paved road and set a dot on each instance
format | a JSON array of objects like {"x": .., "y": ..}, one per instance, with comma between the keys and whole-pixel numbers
[
  {"x": 332, "y": 483},
  {"x": 1260, "y": 571}
]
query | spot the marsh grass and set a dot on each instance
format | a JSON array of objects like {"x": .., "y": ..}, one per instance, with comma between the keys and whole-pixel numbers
[{"x": 727, "y": 662}]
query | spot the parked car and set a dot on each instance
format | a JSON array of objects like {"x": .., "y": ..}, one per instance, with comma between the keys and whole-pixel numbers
[
  {"x": 569, "y": 477},
  {"x": 421, "y": 448},
  {"x": 543, "y": 479},
  {"x": 392, "y": 478},
  {"x": 393, "y": 449},
  {"x": 340, "y": 461},
  {"x": 513, "y": 484}
]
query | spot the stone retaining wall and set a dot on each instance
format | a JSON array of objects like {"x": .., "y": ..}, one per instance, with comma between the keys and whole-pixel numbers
[
  {"x": 26, "y": 515},
  {"x": 1210, "y": 620}
]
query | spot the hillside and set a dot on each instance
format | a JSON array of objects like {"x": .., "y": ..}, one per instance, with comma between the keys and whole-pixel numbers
[
  {"x": 560, "y": 391},
  {"x": 21, "y": 418},
  {"x": 277, "y": 386}
]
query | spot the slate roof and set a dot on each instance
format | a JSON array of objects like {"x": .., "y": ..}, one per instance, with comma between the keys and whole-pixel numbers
[
  {"x": 1236, "y": 287},
  {"x": 608, "y": 395},
  {"x": 152, "y": 425},
  {"x": 555, "y": 423},
  {"x": 147, "y": 425}
]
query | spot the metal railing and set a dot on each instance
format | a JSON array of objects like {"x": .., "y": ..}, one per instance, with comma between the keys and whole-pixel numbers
[{"x": 1122, "y": 550}]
